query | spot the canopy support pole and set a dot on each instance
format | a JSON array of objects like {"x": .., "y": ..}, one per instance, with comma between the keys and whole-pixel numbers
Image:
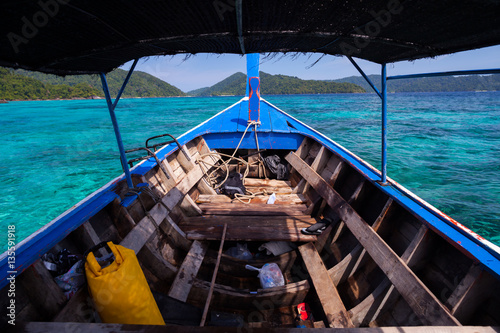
[
  {"x": 111, "y": 108},
  {"x": 383, "y": 97},
  {"x": 384, "y": 125},
  {"x": 452, "y": 73},
  {"x": 364, "y": 75}
]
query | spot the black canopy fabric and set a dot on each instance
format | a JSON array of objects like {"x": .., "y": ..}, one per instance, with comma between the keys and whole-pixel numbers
[{"x": 91, "y": 36}]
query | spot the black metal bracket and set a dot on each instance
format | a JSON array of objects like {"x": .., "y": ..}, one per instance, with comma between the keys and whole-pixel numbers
[
  {"x": 155, "y": 146},
  {"x": 150, "y": 154}
]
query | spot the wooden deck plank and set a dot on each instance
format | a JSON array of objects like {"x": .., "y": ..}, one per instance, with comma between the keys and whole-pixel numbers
[
  {"x": 259, "y": 221},
  {"x": 329, "y": 297},
  {"x": 248, "y": 233},
  {"x": 187, "y": 272},
  {"x": 251, "y": 210},
  {"x": 257, "y": 182},
  {"x": 268, "y": 189},
  {"x": 415, "y": 292},
  {"x": 281, "y": 199}
]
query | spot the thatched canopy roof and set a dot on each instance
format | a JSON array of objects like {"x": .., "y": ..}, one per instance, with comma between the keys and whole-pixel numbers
[{"x": 90, "y": 36}]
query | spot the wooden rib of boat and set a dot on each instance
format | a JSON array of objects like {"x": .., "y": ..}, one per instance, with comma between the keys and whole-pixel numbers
[{"x": 380, "y": 263}]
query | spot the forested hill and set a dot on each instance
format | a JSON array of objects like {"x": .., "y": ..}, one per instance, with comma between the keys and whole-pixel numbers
[
  {"x": 432, "y": 84},
  {"x": 26, "y": 85},
  {"x": 276, "y": 85}
]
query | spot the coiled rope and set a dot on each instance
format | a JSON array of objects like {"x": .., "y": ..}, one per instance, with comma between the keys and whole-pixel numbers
[{"x": 225, "y": 164}]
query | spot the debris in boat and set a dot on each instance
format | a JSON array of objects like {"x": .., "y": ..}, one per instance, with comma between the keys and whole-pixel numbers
[
  {"x": 273, "y": 163},
  {"x": 305, "y": 317},
  {"x": 233, "y": 185},
  {"x": 277, "y": 247},
  {"x": 240, "y": 251},
  {"x": 72, "y": 280},
  {"x": 317, "y": 228},
  {"x": 270, "y": 275},
  {"x": 61, "y": 262},
  {"x": 272, "y": 199},
  {"x": 131, "y": 300}
]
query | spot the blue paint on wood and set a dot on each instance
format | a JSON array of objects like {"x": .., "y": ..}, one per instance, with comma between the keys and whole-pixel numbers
[
  {"x": 252, "y": 69},
  {"x": 254, "y": 99},
  {"x": 267, "y": 140},
  {"x": 32, "y": 248}
]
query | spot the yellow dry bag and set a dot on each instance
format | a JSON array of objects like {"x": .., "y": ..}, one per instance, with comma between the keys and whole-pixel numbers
[{"x": 120, "y": 291}]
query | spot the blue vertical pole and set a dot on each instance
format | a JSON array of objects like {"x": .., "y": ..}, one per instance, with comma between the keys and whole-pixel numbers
[
  {"x": 253, "y": 60},
  {"x": 384, "y": 124},
  {"x": 111, "y": 109}
]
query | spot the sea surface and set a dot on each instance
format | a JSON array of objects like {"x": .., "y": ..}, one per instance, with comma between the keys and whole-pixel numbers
[{"x": 445, "y": 147}]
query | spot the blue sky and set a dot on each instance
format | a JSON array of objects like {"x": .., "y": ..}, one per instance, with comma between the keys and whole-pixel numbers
[{"x": 204, "y": 70}]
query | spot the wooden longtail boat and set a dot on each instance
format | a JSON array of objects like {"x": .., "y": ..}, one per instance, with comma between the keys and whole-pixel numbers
[{"x": 386, "y": 260}]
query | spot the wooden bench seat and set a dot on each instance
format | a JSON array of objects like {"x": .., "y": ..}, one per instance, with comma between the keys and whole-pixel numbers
[
  {"x": 281, "y": 199},
  {"x": 257, "y": 222}
]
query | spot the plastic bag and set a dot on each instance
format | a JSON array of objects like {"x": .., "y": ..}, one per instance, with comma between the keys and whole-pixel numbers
[
  {"x": 72, "y": 280},
  {"x": 240, "y": 251},
  {"x": 270, "y": 275}
]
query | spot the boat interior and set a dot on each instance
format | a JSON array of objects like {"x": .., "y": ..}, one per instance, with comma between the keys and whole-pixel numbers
[{"x": 375, "y": 264}]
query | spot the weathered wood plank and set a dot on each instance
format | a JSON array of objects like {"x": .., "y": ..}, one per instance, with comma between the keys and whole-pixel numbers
[
  {"x": 249, "y": 233},
  {"x": 45, "y": 295},
  {"x": 290, "y": 222},
  {"x": 328, "y": 295},
  {"x": 189, "y": 207},
  {"x": 419, "y": 297},
  {"x": 304, "y": 147},
  {"x": 80, "y": 308},
  {"x": 144, "y": 230},
  {"x": 256, "y": 182},
  {"x": 269, "y": 189},
  {"x": 281, "y": 199},
  {"x": 42, "y": 327},
  {"x": 251, "y": 210},
  {"x": 183, "y": 161},
  {"x": 356, "y": 258},
  {"x": 319, "y": 163},
  {"x": 175, "y": 235},
  {"x": 152, "y": 259},
  {"x": 205, "y": 188},
  {"x": 300, "y": 187},
  {"x": 475, "y": 295},
  {"x": 214, "y": 276},
  {"x": 385, "y": 293},
  {"x": 189, "y": 269},
  {"x": 464, "y": 287},
  {"x": 230, "y": 298}
]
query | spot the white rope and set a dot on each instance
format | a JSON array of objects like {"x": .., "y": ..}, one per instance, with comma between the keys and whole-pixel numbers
[{"x": 225, "y": 164}]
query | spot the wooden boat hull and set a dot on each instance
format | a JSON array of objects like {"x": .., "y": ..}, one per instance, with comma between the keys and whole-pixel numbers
[{"x": 387, "y": 259}]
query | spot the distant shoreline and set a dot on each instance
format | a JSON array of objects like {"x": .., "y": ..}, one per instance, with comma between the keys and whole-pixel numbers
[{"x": 351, "y": 93}]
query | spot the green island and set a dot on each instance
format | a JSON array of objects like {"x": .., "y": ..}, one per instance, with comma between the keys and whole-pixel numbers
[
  {"x": 26, "y": 85},
  {"x": 276, "y": 85},
  {"x": 431, "y": 84}
]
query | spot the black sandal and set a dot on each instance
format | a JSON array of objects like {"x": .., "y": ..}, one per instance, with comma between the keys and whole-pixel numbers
[{"x": 317, "y": 228}]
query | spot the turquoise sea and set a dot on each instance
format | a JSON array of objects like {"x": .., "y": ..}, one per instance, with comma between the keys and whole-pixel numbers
[{"x": 445, "y": 147}]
